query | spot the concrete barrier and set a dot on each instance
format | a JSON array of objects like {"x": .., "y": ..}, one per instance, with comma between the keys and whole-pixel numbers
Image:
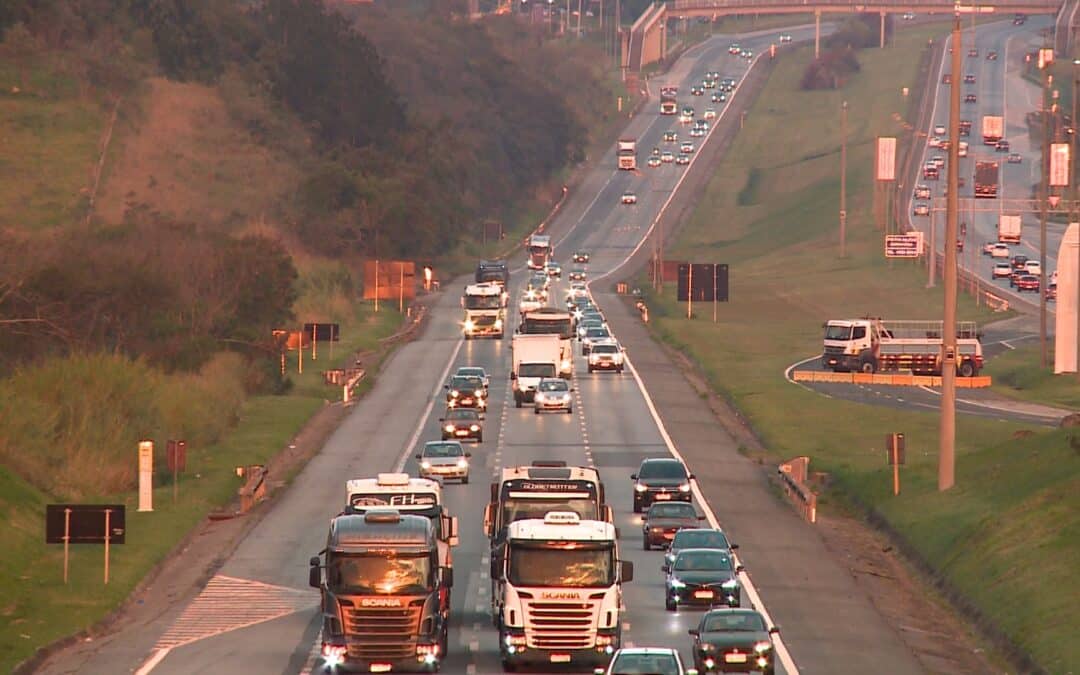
[{"x": 887, "y": 379}]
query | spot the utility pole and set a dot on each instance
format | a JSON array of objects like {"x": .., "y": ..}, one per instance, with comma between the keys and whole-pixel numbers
[
  {"x": 947, "y": 435},
  {"x": 1075, "y": 183},
  {"x": 843, "y": 179},
  {"x": 1045, "y": 183}
]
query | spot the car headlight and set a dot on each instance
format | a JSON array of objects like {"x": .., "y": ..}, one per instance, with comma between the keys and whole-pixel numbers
[
  {"x": 540, "y": 397},
  {"x": 685, "y": 487},
  {"x": 762, "y": 647},
  {"x": 469, "y": 325},
  {"x": 676, "y": 583},
  {"x": 449, "y": 427},
  {"x": 730, "y": 584},
  {"x": 474, "y": 427},
  {"x": 566, "y": 364},
  {"x": 425, "y": 464},
  {"x": 454, "y": 393},
  {"x": 639, "y": 487},
  {"x": 462, "y": 463}
]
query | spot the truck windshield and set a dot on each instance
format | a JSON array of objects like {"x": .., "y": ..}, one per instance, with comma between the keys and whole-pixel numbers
[
  {"x": 523, "y": 508},
  {"x": 483, "y": 302},
  {"x": 536, "y": 370},
  {"x": 561, "y": 327},
  {"x": 380, "y": 573},
  {"x": 492, "y": 274},
  {"x": 838, "y": 332},
  {"x": 571, "y": 564}
]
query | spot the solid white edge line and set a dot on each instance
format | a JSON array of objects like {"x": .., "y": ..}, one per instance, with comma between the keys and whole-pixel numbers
[
  {"x": 152, "y": 662},
  {"x": 781, "y": 649},
  {"x": 404, "y": 458},
  {"x": 787, "y": 374}
]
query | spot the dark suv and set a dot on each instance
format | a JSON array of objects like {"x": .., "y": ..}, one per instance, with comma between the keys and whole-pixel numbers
[{"x": 661, "y": 480}]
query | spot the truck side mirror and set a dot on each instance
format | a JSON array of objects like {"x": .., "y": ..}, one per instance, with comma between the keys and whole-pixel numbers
[
  {"x": 448, "y": 577},
  {"x": 775, "y": 630},
  {"x": 314, "y": 575},
  {"x": 452, "y": 526},
  {"x": 513, "y": 375},
  {"x": 633, "y": 476},
  {"x": 626, "y": 573}
]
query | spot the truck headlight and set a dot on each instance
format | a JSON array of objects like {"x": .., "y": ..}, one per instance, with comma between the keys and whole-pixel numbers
[
  {"x": 469, "y": 325},
  {"x": 454, "y": 393},
  {"x": 566, "y": 364},
  {"x": 498, "y": 324},
  {"x": 449, "y": 427},
  {"x": 639, "y": 487},
  {"x": 514, "y": 640},
  {"x": 333, "y": 655}
]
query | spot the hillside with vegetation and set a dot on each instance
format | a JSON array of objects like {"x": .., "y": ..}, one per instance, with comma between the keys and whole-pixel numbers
[{"x": 178, "y": 178}]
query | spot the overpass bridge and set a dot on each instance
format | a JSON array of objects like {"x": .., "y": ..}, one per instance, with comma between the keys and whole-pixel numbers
[{"x": 647, "y": 43}]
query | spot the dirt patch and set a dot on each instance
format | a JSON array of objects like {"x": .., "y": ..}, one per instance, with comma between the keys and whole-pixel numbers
[
  {"x": 941, "y": 640},
  {"x": 182, "y": 155}
]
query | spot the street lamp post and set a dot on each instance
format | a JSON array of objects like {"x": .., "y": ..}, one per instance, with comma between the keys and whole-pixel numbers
[
  {"x": 1045, "y": 184},
  {"x": 843, "y": 178}
]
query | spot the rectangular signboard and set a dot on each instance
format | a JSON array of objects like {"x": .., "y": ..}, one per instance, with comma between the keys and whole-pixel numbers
[
  {"x": 1059, "y": 165},
  {"x": 904, "y": 245},
  {"x": 703, "y": 282},
  {"x": 885, "y": 167},
  {"x": 389, "y": 279},
  {"x": 86, "y": 524},
  {"x": 324, "y": 332}
]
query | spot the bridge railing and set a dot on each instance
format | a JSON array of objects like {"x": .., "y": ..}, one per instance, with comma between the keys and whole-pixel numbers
[{"x": 860, "y": 5}]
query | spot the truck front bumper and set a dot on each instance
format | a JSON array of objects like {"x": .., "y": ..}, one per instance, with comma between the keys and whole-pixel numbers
[
  {"x": 591, "y": 657},
  {"x": 839, "y": 362}
]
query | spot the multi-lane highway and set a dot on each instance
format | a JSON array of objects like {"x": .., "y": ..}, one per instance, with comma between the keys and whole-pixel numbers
[
  {"x": 999, "y": 89},
  {"x": 257, "y": 615}
]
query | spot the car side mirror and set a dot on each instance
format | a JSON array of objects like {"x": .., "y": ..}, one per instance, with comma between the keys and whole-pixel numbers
[
  {"x": 314, "y": 574},
  {"x": 633, "y": 476},
  {"x": 626, "y": 571},
  {"x": 446, "y": 386},
  {"x": 513, "y": 376},
  {"x": 775, "y": 630},
  {"x": 691, "y": 477},
  {"x": 694, "y": 632},
  {"x": 573, "y": 389}
]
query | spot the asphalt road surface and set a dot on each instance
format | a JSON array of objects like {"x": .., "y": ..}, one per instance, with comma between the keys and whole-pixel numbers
[{"x": 257, "y": 614}]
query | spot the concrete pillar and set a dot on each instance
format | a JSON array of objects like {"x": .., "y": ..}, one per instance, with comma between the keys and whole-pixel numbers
[
  {"x": 881, "y": 31},
  {"x": 817, "y": 33}
]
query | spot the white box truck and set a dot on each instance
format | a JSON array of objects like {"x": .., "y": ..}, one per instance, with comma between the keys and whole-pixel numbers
[
  {"x": 536, "y": 356},
  {"x": 1009, "y": 226}
]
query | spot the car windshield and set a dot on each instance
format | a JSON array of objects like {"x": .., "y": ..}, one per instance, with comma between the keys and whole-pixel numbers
[
  {"x": 606, "y": 349},
  {"x": 471, "y": 372},
  {"x": 382, "y": 573},
  {"x": 571, "y": 564},
  {"x": 700, "y": 539},
  {"x": 734, "y": 621},
  {"x": 443, "y": 450},
  {"x": 536, "y": 370},
  {"x": 662, "y": 469},
  {"x": 465, "y": 382},
  {"x": 553, "y": 385},
  {"x": 644, "y": 664},
  {"x": 672, "y": 511},
  {"x": 462, "y": 414},
  {"x": 704, "y": 560},
  {"x": 597, "y": 332}
]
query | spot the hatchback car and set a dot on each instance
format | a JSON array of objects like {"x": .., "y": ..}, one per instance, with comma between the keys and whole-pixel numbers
[
  {"x": 973, "y": 53},
  {"x": 686, "y": 148},
  {"x": 710, "y": 114},
  {"x": 607, "y": 355},
  {"x": 670, "y": 137},
  {"x": 629, "y": 198},
  {"x": 553, "y": 394},
  {"x": 661, "y": 479},
  {"x": 1000, "y": 251},
  {"x": 922, "y": 192},
  {"x": 1015, "y": 158},
  {"x": 940, "y": 130},
  {"x": 651, "y": 660},
  {"x": 577, "y": 274},
  {"x": 653, "y": 162},
  {"x": 664, "y": 519},
  {"x": 702, "y": 576},
  {"x": 668, "y": 157},
  {"x": 461, "y": 423},
  {"x": 682, "y": 160},
  {"x": 1002, "y": 146},
  {"x": 475, "y": 371},
  {"x": 921, "y": 210},
  {"x": 581, "y": 257},
  {"x": 592, "y": 335},
  {"x": 444, "y": 459},
  {"x": 728, "y": 640},
  {"x": 466, "y": 392},
  {"x": 696, "y": 537},
  {"x": 1002, "y": 270}
]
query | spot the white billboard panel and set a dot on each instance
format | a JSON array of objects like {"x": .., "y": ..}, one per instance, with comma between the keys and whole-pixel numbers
[
  {"x": 1059, "y": 165},
  {"x": 1068, "y": 301},
  {"x": 886, "y": 158}
]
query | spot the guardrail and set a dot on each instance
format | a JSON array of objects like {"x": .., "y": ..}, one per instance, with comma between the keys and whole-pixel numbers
[
  {"x": 793, "y": 474},
  {"x": 890, "y": 379},
  {"x": 254, "y": 489}
]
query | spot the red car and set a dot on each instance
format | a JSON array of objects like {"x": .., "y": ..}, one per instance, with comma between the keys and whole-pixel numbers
[{"x": 1028, "y": 282}]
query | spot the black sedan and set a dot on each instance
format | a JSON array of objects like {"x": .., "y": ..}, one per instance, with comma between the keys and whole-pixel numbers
[
  {"x": 702, "y": 576},
  {"x": 660, "y": 479},
  {"x": 663, "y": 520},
  {"x": 577, "y": 274},
  {"x": 581, "y": 257},
  {"x": 734, "y": 640},
  {"x": 465, "y": 391},
  {"x": 697, "y": 537},
  {"x": 462, "y": 423}
]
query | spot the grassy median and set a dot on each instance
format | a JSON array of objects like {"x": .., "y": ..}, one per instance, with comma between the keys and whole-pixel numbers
[{"x": 1006, "y": 536}]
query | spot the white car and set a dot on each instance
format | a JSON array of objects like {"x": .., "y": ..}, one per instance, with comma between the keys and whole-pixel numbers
[
  {"x": 1000, "y": 251},
  {"x": 658, "y": 660},
  {"x": 606, "y": 355},
  {"x": 686, "y": 148},
  {"x": 1033, "y": 267},
  {"x": 653, "y": 162},
  {"x": 592, "y": 335},
  {"x": 785, "y": 37},
  {"x": 938, "y": 161},
  {"x": 921, "y": 210},
  {"x": 629, "y": 198},
  {"x": 1002, "y": 270},
  {"x": 553, "y": 393},
  {"x": 710, "y": 114},
  {"x": 444, "y": 459},
  {"x": 922, "y": 192},
  {"x": 940, "y": 130},
  {"x": 934, "y": 142}
]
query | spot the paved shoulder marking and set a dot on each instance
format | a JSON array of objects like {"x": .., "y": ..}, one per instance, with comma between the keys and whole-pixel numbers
[{"x": 228, "y": 603}]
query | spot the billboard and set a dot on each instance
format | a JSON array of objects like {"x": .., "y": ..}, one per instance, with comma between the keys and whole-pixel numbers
[
  {"x": 1067, "y": 332},
  {"x": 1059, "y": 165},
  {"x": 703, "y": 282},
  {"x": 904, "y": 245},
  {"x": 885, "y": 166},
  {"x": 84, "y": 523},
  {"x": 323, "y": 332},
  {"x": 389, "y": 279}
]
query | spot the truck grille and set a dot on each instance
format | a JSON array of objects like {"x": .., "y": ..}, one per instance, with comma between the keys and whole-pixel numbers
[
  {"x": 381, "y": 633},
  {"x": 834, "y": 350},
  {"x": 560, "y": 625}
]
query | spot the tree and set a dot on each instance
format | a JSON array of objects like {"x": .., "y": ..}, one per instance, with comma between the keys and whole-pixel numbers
[{"x": 21, "y": 47}]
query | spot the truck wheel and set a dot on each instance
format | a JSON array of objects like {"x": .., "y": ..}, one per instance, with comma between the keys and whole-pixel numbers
[
  {"x": 517, "y": 402},
  {"x": 966, "y": 369},
  {"x": 669, "y": 605},
  {"x": 465, "y": 480},
  {"x": 645, "y": 545},
  {"x": 868, "y": 366}
]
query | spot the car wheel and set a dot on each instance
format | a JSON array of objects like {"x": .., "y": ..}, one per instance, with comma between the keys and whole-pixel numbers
[
  {"x": 480, "y": 438},
  {"x": 967, "y": 369},
  {"x": 645, "y": 544},
  {"x": 669, "y": 604},
  {"x": 536, "y": 411},
  {"x": 570, "y": 410}
]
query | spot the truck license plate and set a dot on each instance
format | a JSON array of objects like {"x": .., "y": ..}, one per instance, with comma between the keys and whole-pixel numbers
[
  {"x": 703, "y": 594},
  {"x": 735, "y": 658},
  {"x": 560, "y": 658},
  {"x": 380, "y": 667}
]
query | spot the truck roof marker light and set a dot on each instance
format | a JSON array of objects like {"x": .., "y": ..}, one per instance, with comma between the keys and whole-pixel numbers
[
  {"x": 382, "y": 516},
  {"x": 393, "y": 478}
]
